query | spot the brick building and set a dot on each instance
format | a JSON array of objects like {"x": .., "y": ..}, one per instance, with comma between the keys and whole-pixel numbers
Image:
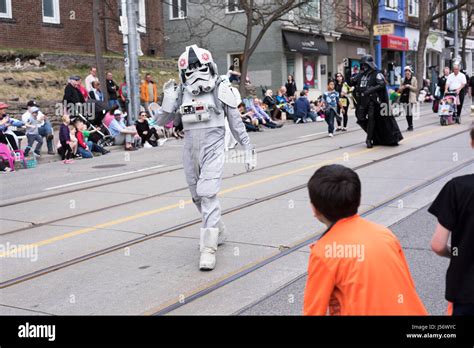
[{"x": 66, "y": 25}]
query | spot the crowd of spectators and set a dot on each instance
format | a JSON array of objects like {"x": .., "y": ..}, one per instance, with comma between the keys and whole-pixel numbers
[
  {"x": 82, "y": 128},
  {"x": 80, "y": 135}
]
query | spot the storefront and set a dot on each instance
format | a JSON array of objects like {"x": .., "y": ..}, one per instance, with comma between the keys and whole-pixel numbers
[
  {"x": 433, "y": 54},
  {"x": 413, "y": 36},
  {"x": 393, "y": 50},
  {"x": 349, "y": 51},
  {"x": 306, "y": 59},
  {"x": 470, "y": 56}
]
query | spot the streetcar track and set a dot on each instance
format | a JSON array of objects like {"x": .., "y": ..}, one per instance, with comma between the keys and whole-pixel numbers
[
  {"x": 257, "y": 265},
  {"x": 162, "y": 194},
  {"x": 104, "y": 251},
  {"x": 33, "y": 199},
  {"x": 300, "y": 276}
]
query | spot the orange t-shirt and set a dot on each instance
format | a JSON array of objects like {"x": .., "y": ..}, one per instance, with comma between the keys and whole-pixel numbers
[{"x": 358, "y": 268}]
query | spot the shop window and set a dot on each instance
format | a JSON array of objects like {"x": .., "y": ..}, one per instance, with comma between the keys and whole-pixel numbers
[
  {"x": 5, "y": 8},
  {"x": 391, "y": 64}
]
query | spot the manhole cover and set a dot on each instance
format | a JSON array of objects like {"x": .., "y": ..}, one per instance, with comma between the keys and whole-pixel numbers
[{"x": 104, "y": 166}]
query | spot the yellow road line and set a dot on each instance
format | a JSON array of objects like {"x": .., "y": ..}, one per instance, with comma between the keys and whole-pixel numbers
[{"x": 183, "y": 203}]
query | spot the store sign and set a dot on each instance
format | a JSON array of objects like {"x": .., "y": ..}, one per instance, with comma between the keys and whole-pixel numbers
[
  {"x": 396, "y": 43},
  {"x": 470, "y": 44},
  {"x": 384, "y": 29},
  {"x": 361, "y": 51},
  {"x": 413, "y": 36},
  {"x": 309, "y": 73},
  {"x": 435, "y": 42}
]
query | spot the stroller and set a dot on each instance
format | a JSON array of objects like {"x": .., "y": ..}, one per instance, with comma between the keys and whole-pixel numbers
[
  {"x": 102, "y": 139},
  {"x": 447, "y": 110}
]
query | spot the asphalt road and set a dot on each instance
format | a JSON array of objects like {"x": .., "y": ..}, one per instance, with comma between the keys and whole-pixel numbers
[{"x": 428, "y": 271}]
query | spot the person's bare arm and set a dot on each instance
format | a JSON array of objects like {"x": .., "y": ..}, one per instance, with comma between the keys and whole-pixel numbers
[{"x": 439, "y": 242}]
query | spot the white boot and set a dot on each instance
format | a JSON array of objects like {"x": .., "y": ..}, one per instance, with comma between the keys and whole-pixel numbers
[
  {"x": 208, "y": 243},
  {"x": 221, "y": 239},
  {"x": 222, "y": 233}
]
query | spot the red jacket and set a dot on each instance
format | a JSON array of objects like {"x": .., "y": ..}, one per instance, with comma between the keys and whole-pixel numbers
[{"x": 80, "y": 139}]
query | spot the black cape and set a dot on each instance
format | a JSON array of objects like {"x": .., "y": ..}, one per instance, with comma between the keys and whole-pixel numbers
[{"x": 386, "y": 130}]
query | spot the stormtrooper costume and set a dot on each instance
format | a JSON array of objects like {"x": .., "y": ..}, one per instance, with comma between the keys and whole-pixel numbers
[{"x": 202, "y": 101}]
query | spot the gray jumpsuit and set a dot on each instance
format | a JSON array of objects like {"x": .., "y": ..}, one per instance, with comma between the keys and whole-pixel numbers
[{"x": 204, "y": 155}]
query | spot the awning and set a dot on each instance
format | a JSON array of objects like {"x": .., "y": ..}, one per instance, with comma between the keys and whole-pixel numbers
[
  {"x": 395, "y": 43},
  {"x": 306, "y": 43}
]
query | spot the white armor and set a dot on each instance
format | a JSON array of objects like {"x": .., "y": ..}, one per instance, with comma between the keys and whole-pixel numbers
[{"x": 201, "y": 102}]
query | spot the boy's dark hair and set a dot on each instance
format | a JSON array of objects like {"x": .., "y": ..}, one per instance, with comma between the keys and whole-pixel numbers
[
  {"x": 302, "y": 93},
  {"x": 335, "y": 191}
]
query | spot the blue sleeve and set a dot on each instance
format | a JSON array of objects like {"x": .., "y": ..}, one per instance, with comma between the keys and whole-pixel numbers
[{"x": 17, "y": 123}]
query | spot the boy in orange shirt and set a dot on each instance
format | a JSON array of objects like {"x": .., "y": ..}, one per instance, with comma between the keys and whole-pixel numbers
[{"x": 356, "y": 267}]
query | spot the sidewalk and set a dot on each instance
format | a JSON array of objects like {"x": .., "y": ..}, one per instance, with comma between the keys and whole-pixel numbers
[{"x": 45, "y": 158}]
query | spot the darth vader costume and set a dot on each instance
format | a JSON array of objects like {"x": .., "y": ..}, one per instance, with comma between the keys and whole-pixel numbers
[{"x": 373, "y": 110}]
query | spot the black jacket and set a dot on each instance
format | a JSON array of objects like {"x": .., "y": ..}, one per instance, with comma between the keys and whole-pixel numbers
[
  {"x": 290, "y": 89},
  {"x": 72, "y": 95},
  {"x": 112, "y": 89}
]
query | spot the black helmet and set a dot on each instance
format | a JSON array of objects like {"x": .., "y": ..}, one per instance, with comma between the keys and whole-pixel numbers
[{"x": 368, "y": 60}]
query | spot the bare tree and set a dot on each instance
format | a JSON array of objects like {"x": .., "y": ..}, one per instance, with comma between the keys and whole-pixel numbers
[
  {"x": 429, "y": 12},
  {"x": 258, "y": 16},
  {"x": 465, "y": 28},
  {"x": 366, "y": 18}
]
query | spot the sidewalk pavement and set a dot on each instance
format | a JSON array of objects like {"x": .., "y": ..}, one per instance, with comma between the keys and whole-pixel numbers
[{"x": 45, "y": 158}]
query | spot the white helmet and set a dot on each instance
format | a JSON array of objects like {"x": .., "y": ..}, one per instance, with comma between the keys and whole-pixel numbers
[{"x": 197, "y": 69}]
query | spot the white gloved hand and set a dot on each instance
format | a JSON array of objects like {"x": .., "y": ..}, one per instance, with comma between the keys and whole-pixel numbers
[
  {"x": 170, "y": 95},
  {"x": 250, "y": 159}
]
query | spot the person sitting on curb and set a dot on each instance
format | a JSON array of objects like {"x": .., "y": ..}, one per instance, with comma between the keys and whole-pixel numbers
[
  {"x": 454, "y": 210},
  {"x": 123, "y": 135},
  {"x": 356, "y": 267},
  {"x": 86, "y": 148},
  {"x": 45, "y": 129},
  {"x": 32, "y": 134}
]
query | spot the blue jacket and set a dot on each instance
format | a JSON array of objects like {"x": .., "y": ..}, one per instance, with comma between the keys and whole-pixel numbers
[
  {"x": 302, "y": 107},
  {"x": 11, "y": 122}
]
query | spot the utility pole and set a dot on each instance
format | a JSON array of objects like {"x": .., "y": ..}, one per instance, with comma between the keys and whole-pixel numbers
[
  {"x": 133, "y": 85},
  {"x": 124, "y": 30},
  {"x": 128, "y": 27},
  {"x": 456, "y": 32}
]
